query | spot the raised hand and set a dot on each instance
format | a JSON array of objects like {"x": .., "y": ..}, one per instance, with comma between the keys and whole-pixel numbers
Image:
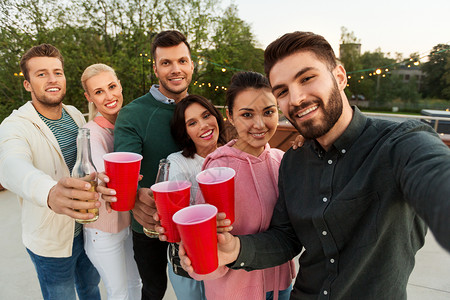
[
  {"x": 71, "y": 194},
  {"x": 145, "y": 208}
]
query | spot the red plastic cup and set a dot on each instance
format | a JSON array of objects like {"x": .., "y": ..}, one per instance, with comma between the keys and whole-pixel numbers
[
  {"x": 197, "y": 227},
  {"x": 217, "y": 186},
  {"x": 122, "y": 169},
  {"x": 170, "y": 197}
]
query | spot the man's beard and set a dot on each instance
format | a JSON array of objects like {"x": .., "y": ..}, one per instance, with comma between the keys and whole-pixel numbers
[
  {"x": 309, "y": 129},
  {"x": 48, "y": 102}
]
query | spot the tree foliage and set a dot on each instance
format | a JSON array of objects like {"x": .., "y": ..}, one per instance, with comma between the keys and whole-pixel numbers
[
  {"x": 379, "y": 88},
  {"x": 233, "y": 47},
  {"x": 119, "y": 33},
  {"x": 437, "y": 69}
]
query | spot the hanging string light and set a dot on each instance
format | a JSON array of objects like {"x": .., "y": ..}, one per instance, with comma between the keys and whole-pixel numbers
[{"x": 380, "y": 71}]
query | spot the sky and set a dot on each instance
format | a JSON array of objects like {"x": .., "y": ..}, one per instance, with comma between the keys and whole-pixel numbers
[{"x": 391, "y": 25}]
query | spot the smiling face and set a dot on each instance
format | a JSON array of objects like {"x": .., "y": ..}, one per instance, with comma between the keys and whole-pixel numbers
[
  {"x": 47, "y": 83},
  {"x": 105, "y": 91},
  {"x": 173, "y": 67},
  {"x": 255, "y": 117},
  {"x": 308, "y": 93},
  {"x": 202, "y": 128}
]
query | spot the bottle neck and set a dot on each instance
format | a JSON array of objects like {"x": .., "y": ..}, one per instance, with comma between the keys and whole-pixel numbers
[
  {"x": 163, "y": 171},
  {"x": 83, "y": 147}
]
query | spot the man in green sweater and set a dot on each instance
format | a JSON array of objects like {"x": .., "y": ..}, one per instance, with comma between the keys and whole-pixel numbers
[{"x": 143, "y": 127}]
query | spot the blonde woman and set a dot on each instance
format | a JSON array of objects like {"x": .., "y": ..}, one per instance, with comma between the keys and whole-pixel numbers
[{"x": 108, "y": 242}]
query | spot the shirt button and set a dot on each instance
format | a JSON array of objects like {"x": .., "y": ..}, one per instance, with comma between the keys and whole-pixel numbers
[
  {"x": 324, "y": 199},
  {"x": 343, "y": 151},
  {"x": 332, "y": 261},
  {"x": 325, "y": 292},
  {"x": 242, "y": 264},
  {"x": 324, "y": 232},
  {"x": 330, "y": 162}
]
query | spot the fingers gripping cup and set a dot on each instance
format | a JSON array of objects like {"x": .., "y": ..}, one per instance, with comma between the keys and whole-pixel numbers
[
  {"x": 217, "y": 186},
  {"x": 197, "y": 227},
  {"x": 122, "y": 169},
  {"x": 170, "y": 197}
]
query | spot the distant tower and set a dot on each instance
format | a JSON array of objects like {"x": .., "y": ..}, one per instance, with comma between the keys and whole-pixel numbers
[{"x": 349, "y": 49}]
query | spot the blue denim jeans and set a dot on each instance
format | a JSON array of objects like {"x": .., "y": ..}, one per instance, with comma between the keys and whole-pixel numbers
[
  {"x": 58, "y": 277},
  {"x": 186, "y": 288},
  {"x": 282, "y": 295}
]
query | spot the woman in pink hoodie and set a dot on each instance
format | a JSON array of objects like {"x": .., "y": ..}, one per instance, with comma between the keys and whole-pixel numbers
[{"x": 252, "y": 110}]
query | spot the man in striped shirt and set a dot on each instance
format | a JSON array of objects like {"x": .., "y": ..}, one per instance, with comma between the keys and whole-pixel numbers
[{"x": 37, "y": 154}]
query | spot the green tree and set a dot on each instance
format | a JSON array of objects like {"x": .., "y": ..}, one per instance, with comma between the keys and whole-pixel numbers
[
  {"x": 233, "y": 49},
  {"x": 437, "y": 70},
  {"x": 375, "y": 83},
  {"x": 349, "y": 56},
  {"x": 120, "y": 33}
]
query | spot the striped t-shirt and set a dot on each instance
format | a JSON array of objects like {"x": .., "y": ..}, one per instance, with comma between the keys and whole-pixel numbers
[{"x": 65, "y": 131}]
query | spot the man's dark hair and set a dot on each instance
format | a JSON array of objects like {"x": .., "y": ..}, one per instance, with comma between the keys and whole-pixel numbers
[
  {"x": 298, "y": 41},
  {"x": 43, "y": 50},
  {"x": 242, "y": 81},
  {"x": 169, "y": 38},
  {"x": 178, "y": 123}
]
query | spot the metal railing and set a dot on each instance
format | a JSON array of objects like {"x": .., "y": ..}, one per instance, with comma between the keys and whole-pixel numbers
[{"x": 421, "y": 117}]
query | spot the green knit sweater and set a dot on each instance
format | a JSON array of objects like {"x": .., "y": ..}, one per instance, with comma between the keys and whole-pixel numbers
[{"x": 143, "y": 127}]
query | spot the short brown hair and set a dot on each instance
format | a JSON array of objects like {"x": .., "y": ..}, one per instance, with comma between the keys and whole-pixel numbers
[
  {"x": 178, "y": 124},
  {"x": 169, "y": 38},
  {"x": 298, "y": 41},
  {"x": 43, "y": 50}
]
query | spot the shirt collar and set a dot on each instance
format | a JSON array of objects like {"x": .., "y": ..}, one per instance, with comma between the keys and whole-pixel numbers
[
  {"x": 156, "y": 93},
  {"x": 348, "y": 137},
  {"x": 103, "y": 122},
  {"x": 352, "y": 133}
]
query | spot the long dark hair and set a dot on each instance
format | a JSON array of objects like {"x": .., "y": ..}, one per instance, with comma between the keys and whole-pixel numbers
[{"x": 178, "y": 124}]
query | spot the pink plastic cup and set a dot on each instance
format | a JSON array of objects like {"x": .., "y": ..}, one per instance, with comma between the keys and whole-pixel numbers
[
  {"x": 197, "y": 227},
  {"x": 170, "y": 197},
  {"x": 122, "y": 169},
  {"x": 217, "y": 186}
]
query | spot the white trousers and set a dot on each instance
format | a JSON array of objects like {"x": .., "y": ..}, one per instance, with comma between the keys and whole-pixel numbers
[{"x": 112, "y": 256}]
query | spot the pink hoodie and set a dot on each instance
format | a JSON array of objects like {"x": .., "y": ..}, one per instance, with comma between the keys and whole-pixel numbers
[{"x": 256, "y": 192}]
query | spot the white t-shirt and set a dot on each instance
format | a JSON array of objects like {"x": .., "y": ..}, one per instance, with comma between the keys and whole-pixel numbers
[{"x": 186, "y": 168}]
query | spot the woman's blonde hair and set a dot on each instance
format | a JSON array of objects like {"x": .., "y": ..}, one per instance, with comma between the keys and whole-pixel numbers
[{"x": 90, "y": 72}]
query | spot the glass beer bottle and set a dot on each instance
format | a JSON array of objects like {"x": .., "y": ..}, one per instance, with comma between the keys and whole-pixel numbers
[
  {"x": 84, "y": 169},
  {"x": 162, "y": 175}
]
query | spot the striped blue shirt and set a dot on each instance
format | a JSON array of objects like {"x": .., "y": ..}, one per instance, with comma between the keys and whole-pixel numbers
[{"x": 65, "y": 131}]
